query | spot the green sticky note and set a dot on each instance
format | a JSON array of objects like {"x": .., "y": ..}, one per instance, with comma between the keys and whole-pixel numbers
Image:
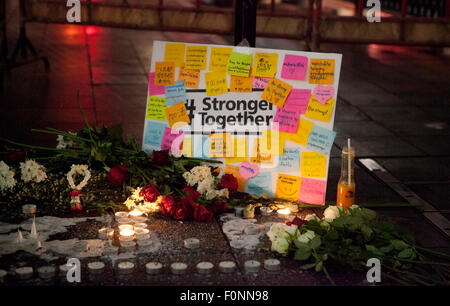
[
  {"x": 239, "y": 64},
  {"x": 156, "y": 107}
]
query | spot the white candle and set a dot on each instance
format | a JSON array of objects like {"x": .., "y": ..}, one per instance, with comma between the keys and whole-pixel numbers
[
  {"x": 204, "y": 267},
  {"x": 125, "y": 267},
  {"x": 140, "y": 225},
  {"x": 272, "y": 264},
  {"x": 142, "y": 233},
  {"x": 63, "y": 269},
  {"x": 46, "y": 272},
  {"x": 128, "y": 246},
  {"x": 144, "y": 243},
  {"x": 135, "y": 214},
  {"x": 178, "y": 267},
  {"x": 126, "y": 234},
  {"x": 227, "y": 266},
  {"x": 24, "y": 272},
  {"x": 121, "y": 214},
  {"x": 192, "y": 243},
  {"x": 153, "y": 267},
  {"x": 140, "y": 219},
  {"x": 96, "y": 267},
  {"x": 124, "y": 221},
  {"x": 125, "y": 226},
  {"x": 252, "y": 266}
]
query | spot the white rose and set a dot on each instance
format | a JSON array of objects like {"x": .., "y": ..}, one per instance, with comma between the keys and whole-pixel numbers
[
  {"x": 290, "y": 229},
  {"x": 277, "y": 231},
  {"x": 311, "y": 217},
  {"x": 280, "y": 245},
  {"x": 306, "y": 237},
  {"x": 331, "y": 213}
]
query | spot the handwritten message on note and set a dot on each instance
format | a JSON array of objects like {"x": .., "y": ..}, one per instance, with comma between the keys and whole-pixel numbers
[
  {"x": 240, "y": 151},
  {"x": 320, "y": 140},
  {"x": 260, "y": 83},
  {"x": 216, "y": 83},
  {"x": 276, "y": 92},
  {"x": 191, "y": 78},
  {"x": 312, "y": 191},
  {"x": 262, "y": 183},
  {"x": 219, "y": 59},
  {"x": 313, "y": 164},
  {"x": 174, "y": 53},
  {"x": 156, "y": 108},
  {"x": 177, "y": 115},
  {"x": 294, "y": 67},
  {"x": 257, "y": 157},
  {"x": 319, "y": 111},
  {"x": 231, "y": 169},
  {"x": 288, "y": 187},
  {"x": 154, "y": 90},
  {"x": 248, "y": 170},
  {"x": 290, "y": 161},
  {"x": 323, "y": 92},
  {"x": 303, "y": 131},
  {"x": 321, "y": 71},
  {"x": 220, "y": 145},
  {"x": 298, "y": 100},
  {"x": 287, "y": 120},
  {"x": 239, "y": 64},
  {"x": 154, "y": 132},
  {"x": 175, "y": 93},
  {"x": 172, "y": 140},
  {"x": 240, "y": 84},
  {"x": 186, "y": 147},
  {"x": 196, "y": 57},
  {"x": 265, "y": 64},
  {"x": 164, "y": 73}
]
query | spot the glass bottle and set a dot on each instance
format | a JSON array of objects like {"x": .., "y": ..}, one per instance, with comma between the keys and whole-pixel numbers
[{"x": 346, "y": 184}]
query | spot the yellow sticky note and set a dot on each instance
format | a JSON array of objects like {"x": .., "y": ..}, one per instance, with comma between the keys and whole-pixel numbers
[
  {"x": 276, "y": 92},
  {"x": 265, "y": 65},
  {"x": 219, "y": 59},
  {"x": 174, "y": 53},
  {"x": 313, "y": 164},
  {"x": 271, "y": 142},
  {"x": 190, "y": 77},
  {"x": 231, "y": 169},
  {"x": 239, "y": 64},
  {"x": 239, "y": 150},
  {"x": 177, "y": 115},
  {"x": 164, "y": 73},
  {"x": 220, "y": 145},
  {"x": 257, "y": 157},
  {"x": 321, "y": 71},
  {"x": 216, "y": 83},
  {"x": 186, "y": 147},
  {"x": 319, "y": 111},
  {"x": 288, "y": 187},
  {"x": 241, "y": 84},
  {"x": 196, "y": 57},
  {"x": 303, "y": 130},
  {"x": 156, "y": 108}
]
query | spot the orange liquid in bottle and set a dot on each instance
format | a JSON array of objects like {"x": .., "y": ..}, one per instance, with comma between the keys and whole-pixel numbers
[{"x": 345, "y": 195}]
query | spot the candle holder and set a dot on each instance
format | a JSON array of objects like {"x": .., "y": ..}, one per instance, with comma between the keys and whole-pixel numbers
[
  {"x": 140, "y": 219},
  {"x": 28, "y": 210},
  {"x": 135, "y": 214},
  {"x": 142, "y": 233},
  {"x": 126, "y": 234},
  {"x": 124, "y": 221},
  {"x": 125, "y": 226},
  {"x": 140, "y": 225},
  {"x": 120, "y": 215}
]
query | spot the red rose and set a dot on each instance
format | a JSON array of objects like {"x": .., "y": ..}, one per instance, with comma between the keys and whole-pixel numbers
[
  {"x": 15, "y": 157},
  {"x": 192, "y": 193},
  {"x": 183, "y": 209},
  {"x": 77, "y": 206},
  {"x": 117, "y": 175},
  {"x": 149, "y": 192},
  {"x": 297, "y": 221},
  {"x": 75, "y": 193},
  {"x": 201, "y": 214},
  {"x": 160, "y": 157},
  {"x": 167, "y": 206},
  {"x": 218, "y": 207},
  {"x": 228, "y": 181}
]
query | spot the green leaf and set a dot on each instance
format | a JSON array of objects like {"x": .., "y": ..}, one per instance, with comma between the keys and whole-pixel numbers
[
  {"x": 399, "y": 245},
  {"x": 374, "y": 250},
  {"x": 315, "y": 242},
  {"x": 367, "y": 232},
  {"x": 387, "y": 249},
  {"x": 302, "y": 253},
  {"x": 319, "y": 266},
  {"x": 368, "y": 213},
  {"x": 308, "y": 266},
  {"x": 332, "y": 235},
  {"x": 407, "y": 254}
]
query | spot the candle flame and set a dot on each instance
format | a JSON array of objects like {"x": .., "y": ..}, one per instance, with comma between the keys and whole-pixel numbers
[
  {"x": 127, "y": 232},
  {"x": 135, "y": 213},
  {"x": 285, "y": 211}
]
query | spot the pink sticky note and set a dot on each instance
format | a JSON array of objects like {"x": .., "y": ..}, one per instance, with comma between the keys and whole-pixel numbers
[
  {"x": 322, "y": 93},
  {"x": 248, "y": 170},
  {"x": 312, "y": 191},
  {"x": 153, "y": 89},
  {"x": 287, "y": 120},
  {"x": 298, "y": 100},
  {"x": 172, "y": 140},
  {"x": 294, "y": 67},
  {"x": 260, "y": 82}
]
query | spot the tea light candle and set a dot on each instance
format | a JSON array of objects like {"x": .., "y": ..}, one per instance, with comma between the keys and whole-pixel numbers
[
  {"x": 3, "y": 274},
  {"x": 96, "y": 267},
  {"x": 125, "y": 267},
  {"x": 153, "y": 267},
  {"x": 128, "y": 246},
  {"x": 24, "y": 272},
  {"x": 227, "y": 266},
  {"x": 63, "y": 269},
  {"x": 204, "y": 267},
  {"x": 178, "y": 267},
  {"x": 142, "y": 233},
  {"x": 124, "y": 221},
  {"x": 126, "y": 234},
  {"x": 140, "y": 219},
  {"x": 192, "y": 243},
  {"x": 272, "y": 264},
  {"x": 251, "y": 229},
  {"x": 121, "y": 214},
  {"x": 125, "y": 226},
  {"x": 144, "y": 244},
  {"x": 46, "y": 272},
  {"x": 29, "y": 209},
  {"x": 252, "y": 266},
  {"x": 239, "y": 211},
  {"x": 284, "y": 213},
  {"x": 135, "y": 213},
  {"x": 140, "y": 225},
  {"x": 265, "y": 211}
]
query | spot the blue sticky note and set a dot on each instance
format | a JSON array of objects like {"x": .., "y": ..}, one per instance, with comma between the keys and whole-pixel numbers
[
  {"x": 175, "y": 93},
  {"x": 289, "y": 162},
  {"x": 262, "y": 183},
  {"x": 201, "y": 146},
  {"x": 320, "y": 140},
  {"x": 153, "y": 135}
]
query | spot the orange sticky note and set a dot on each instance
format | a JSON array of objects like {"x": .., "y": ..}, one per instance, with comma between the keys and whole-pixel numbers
[
  {"x": 319, "y": 111},
  {"x": 219, "y": 58},
  {"x": 216, "y": 83},
  {"x": 276, "y": 92},
  {"x": 321, "y": 71},
  {"x": 288, "y": 187},
  {"x": 190, "y": 77},
  {"x": 177, "y": 115},
  {"x": 239, "y": 150},
  {"x": 174, "y": 53},
  {"x": 313, "y": 164},
  {"x": 265, "y": 64},
  {"x": 257, "y": 157},
  {"x": 231, "y": 169},
  {"x": 196, "y": 57},
  {"x": 164, "y": 73},
  {"x": 303, "y": 130},
  {"x": 241, "y": 84},
  {"x": 220, "y": 145}
]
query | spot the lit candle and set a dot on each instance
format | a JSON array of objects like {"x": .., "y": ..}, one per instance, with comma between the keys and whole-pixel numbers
[
  {"x": 125, "y": 226},
  {"x": 121, "y": 214},
  {"x": 135, "y": 213},
  {"x": 140, "y": 219},
  {"x": 125, "y": 267},
  {"x": 140, "y": 225},
  {"x": 127, "y": 234},
  {"x": 284, "y": 212},
  {"x": 124, "y": 221},
  {"x": 142, "y": 233}
]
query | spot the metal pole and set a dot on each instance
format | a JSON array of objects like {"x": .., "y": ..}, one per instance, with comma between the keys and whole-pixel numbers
[{"x": 245, "y": 21}]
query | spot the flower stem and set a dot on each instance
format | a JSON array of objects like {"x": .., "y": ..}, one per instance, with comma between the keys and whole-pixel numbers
[{"x": 328, "y": 276}]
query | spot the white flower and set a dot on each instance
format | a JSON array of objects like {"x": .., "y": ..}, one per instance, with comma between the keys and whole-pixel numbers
[
  {"x": 290, "y": 229},
  {"x": 331, "y": 213},
  {"x": 281, "y": 230},
  {"x": 79, "y": 169},
  {"x": 223, "y": 193},
  {"x": 31, "y": 171},
  {"x": 280, "y": 245},
  {"x": 64, "y": 142},
  {"x": 306, "y": 237},
  {"x": 7, "y": 180},
  {"x": 311, "y": 217}
]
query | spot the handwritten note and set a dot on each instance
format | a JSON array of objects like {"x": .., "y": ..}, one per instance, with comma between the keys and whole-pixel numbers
[
  {"x": 303, "y": 131},
  {"x": 240, "y": 151},
  {"x": 322, "y": 93},
  {"x": 294, "y": 67},
  {"x": 290, "y": 161},
  {"x": 219, "y": 59},
  {"x": 321, "y": 71},
  {"x": 298, "y": 99},
  {"x": 164, "y": 73},
  {"x": 172, "y": 140},
  {"x": 265, "y": 64},
  {"x": 287, "y": 120},
  {"x": 156, "y": 108},
  {"x": 257, "y": 157},
  {"x": 320, "y": 140},
  {"x": 231, "y": 169},
  {"x": 319, "y": 111},
  {"x": 313, "y": 164},
  {"x": 288, "y": 187},
  {"x": 216, "y": 83},
  {"x": 174, "y": 53},
  {"x": 239, "y": 64},
  {"x": 191, "y": 78},
  {"x": 262, "y": 183},
  {"x": 154, "y": 90},
  {"x": 240, "y": 84},
  {"x": 312, "y": 191},
  {"x": 248, "y": 170},
  {"x": 276, "y": 92},
  {"x": 186, "y": 147},
  {"x": 220, "y": 145},
  {"x": 154, "y": 132},
  {"x": 175, "y": 93},
  {"x": 196, "y": 57},
  {"x": 260, "y": 83},
  {"x": 177, "y": 115}
]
